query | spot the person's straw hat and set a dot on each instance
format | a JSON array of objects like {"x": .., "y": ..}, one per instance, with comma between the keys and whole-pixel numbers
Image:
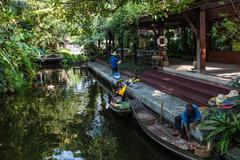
[
  {"x": 232, "y": 93},
  {"x": 220, "y": 99},
  {"x": 114, "y": 53},
  {"x": 212, "y": 101}
]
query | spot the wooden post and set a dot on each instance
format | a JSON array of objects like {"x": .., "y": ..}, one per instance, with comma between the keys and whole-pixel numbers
[
  {"x": 198, "y": 57},
  {"x": 161, "y": 114},
  {"x": 99, "y": 44},
  {"x": 201, "y": 42},
  {"x": 121, "y": 42},
  {"x": 200, "y": 33},
  {"x": 113, "y": 41},
  {"x": 156, "y": 35},
  {"x": 41, "y": 78},
  {"x": 108, "y": 43},
  {"x": 162, "y": 47},
  {"x": 203, "y": 39},
  {"x": 135, "y": 45}
]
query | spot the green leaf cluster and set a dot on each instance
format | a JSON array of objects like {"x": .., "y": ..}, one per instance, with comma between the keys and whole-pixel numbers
[
  {"x": 226, "y": 129},
  {"x": 26, "y": 26},
  {"x": 17, "y": 55},
  {"x": 71, "y": 58},
  {"x": 225, "y": 33},
  {"x": 118, "y": 16}
]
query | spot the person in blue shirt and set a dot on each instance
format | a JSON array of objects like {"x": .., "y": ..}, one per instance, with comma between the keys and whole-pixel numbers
[
  {"x": 190, "y": 115},
  {"x": 114, "y": 61}
]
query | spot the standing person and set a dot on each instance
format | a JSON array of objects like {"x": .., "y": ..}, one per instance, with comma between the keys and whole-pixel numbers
[
  {"x": 190, "y": 115},
  {"x": 114, "y": 61}
]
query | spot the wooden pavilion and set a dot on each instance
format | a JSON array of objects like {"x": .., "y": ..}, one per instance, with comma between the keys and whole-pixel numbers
[{"x": 200, "y": 17}]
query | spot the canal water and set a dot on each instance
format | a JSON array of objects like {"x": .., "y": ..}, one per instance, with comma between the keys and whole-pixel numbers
[{"x": 67, "y": 117}]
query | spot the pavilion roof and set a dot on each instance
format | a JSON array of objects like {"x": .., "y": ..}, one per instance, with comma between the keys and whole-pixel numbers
[{"x": 146, "y": 21}]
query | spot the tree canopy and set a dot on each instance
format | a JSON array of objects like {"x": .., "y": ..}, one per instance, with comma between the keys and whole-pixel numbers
[{"x": 29, "y": 27}]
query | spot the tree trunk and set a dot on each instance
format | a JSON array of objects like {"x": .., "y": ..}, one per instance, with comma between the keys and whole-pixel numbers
[
  {"x": 110, "y": 43},
  {"x": 135, "y": 53},
  {"x": 99, "y": 44},
  {"x": 121, "y": 41},
  {"x": 113, "y": 41},
  {"x": 107, "y": 53}
]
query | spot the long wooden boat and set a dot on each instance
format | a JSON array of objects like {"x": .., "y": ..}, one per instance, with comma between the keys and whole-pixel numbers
[
  {"x": 163, "y": 135},
  {"x": 121, "y": 111}
]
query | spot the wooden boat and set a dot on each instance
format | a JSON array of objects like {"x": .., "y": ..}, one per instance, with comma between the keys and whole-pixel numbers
[
  {"x": 163, "y": 135},
  {"x": 122, "y": 108}
]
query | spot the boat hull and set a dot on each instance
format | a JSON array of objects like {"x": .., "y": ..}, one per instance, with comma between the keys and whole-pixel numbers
[
  {"x": 120, "y": 112},
  {"x": 149, "y": 126}
]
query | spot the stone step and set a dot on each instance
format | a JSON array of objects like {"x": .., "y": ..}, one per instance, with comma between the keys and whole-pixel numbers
[
  {"x": 187, "y": 88},
  {"x": 181, "y": 84},
  {"x": 203, "y": 83},
  {"x": 189, "y": 97}
]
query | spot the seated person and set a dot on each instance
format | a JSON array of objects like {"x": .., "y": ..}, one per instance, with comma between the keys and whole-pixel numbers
[
  {"x": 118, "y": 89},
  {"x": 190, "y": 115},
  {"x": 194, "y": 64}
]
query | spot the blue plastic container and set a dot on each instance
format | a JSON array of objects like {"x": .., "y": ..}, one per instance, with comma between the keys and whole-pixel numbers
[{"x": 117, "y": 75}]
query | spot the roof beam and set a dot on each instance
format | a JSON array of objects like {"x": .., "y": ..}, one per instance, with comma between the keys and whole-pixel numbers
[{"x": 190, "y": 23}]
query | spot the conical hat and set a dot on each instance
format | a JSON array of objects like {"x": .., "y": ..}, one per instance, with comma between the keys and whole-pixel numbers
[
  {"x": 233, "y": 93},
  {"x": 114, "y": 54}
]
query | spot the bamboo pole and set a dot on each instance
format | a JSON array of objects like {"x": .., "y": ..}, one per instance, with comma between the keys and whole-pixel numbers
[{"x": 161, "y": 114}]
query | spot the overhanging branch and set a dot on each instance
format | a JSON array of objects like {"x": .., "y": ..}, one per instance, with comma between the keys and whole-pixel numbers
[{"x": 120, "y": 4}]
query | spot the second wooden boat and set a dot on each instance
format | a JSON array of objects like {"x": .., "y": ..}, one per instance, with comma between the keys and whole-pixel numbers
[{"x": 163, "y": 135}]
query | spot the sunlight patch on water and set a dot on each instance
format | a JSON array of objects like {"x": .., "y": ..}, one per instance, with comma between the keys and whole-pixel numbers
[{"x": 65, "y": 155}]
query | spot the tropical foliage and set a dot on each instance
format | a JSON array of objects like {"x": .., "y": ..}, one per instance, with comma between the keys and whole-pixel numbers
[
  {"x": 16, "y": 52},
  {"x": 26, "y": 26},
  {"x": 226, "y": 129},
  {"x": 235, "y": 82},
  {"x": 30, "y": 29},
  {"x": 71, "y": 58},
  {"x": 224, "y": 34}
]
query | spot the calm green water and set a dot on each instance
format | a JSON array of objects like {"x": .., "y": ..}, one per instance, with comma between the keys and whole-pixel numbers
[{"x": 72, "y": 122}]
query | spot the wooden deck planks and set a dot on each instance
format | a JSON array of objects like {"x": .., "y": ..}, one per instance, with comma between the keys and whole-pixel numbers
[{"x": 165, "y": 130}]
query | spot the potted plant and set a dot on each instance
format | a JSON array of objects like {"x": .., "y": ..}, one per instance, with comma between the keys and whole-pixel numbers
[{"x": 227, "y": 129}]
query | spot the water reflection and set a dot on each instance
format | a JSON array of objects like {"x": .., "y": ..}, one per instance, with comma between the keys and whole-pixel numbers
[
  {"x": 65, "y": 155},
  {"x": 70, "y": 122}
]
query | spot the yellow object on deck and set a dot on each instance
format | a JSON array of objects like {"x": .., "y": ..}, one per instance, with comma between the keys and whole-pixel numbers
[{"x": 122, "y": 91}]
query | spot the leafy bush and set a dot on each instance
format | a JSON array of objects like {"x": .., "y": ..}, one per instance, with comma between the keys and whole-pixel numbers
[
  {"x": 235, "y": 82},
  {"x": 224, "y": 34},
  {"x": 180, "y": 44},
  {"x": 72, "y": 58},
  {"x": 17, "y": 58},
  {"x": 226, "y": 130},
  {"x": 26, "y": 26}
]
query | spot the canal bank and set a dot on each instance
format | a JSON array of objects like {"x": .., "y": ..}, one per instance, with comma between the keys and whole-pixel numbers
[{"x": 150, "y": 97}]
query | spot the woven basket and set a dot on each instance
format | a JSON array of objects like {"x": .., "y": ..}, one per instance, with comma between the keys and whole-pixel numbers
[{"x": 202, "y": 151}]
